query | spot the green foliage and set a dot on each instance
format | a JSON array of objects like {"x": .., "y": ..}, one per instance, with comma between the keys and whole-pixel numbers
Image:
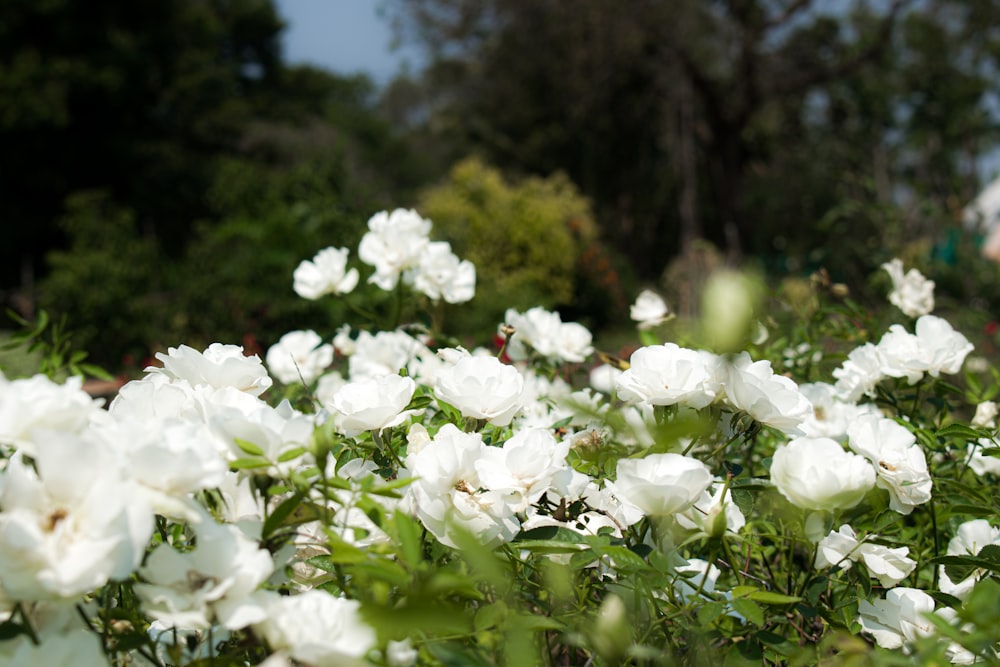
[
  {"x": 525, "y": 238},
  {"x": 239, "y": 269},
  {"x": 111, "y": 284},
  {"x": 44, "y": 347}
]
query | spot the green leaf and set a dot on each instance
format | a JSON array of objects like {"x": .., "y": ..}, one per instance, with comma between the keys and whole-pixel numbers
[
  {"x": 248, "y": 447},
  {"x": 280, "y": 513},
  {"x": 990, "y": 552},
  {"x": 777, "y": 643},
  {"x": 410, "y": 542},
  {"x": 490, "y": 616},
  {"x": 749, "y": 609},
  {"x": 710, "y": 611},
  {"x": 535, "y": 623},
  {"x": 291, "y": 454},
  {"x": 248, "y": 464},
  {"x": 744, "y": 500},
  {"x": 767, "y": 597},
  {"x": 959, "y": 431}
]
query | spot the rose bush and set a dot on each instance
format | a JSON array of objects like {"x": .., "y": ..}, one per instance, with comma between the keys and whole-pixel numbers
[{"x": 413, "y": 502}]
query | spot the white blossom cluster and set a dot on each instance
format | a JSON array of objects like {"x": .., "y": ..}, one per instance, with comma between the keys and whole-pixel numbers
[
  {"x": 398, "y": 246},
  {"x": 163, "y": 488}
]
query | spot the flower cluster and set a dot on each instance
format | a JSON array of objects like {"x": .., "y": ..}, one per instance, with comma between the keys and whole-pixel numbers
[{"x": 395, "y": 501}]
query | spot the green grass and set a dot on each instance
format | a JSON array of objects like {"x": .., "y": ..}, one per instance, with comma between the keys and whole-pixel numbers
[{"x": 15, "y": 360}]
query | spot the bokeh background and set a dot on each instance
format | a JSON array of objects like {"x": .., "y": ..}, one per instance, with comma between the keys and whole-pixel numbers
[{"x": 164, "y": 166}]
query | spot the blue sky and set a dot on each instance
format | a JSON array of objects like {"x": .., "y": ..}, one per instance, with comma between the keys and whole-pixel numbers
[{"x": 346, "y": 36}]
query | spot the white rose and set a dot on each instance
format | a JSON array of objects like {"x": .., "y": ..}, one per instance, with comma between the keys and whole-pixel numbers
[
  {"x": 900, "y": 464},
  {"x": 372, "y": 404},
  {"x": 970, "y": 538},
  {"x": 38, "y": 402},
  {"x": 899, "y": 618},
  {"x": 530, "y": 463},
  {"x": 669, "y": 375},
  {"x": 326, "y": 274},
  {"x": 986, "y": 415},
  {"x": 393, "y": 244},
  {"x": 912, "y": 293},
  {"x": 831, "y": 416},
  {"x": 218, "y": 366},
  {"x": 447, "y": 494},
  {"x": 661, "y": 484},
  {"x": 818, "y": 474},
  {"x": 649, "y": 309},
  {"x": 317, "y": 628},
  {"x": 860, "y": 373},
  {"x": 944, "y": 349},
  {"x": 773, "y": 400},
  {"x": 215, "y": 580},
  {"x": 70, "y": 521},
  {"x": 299, "y": 356},
  {"x": 441, "y": 275},
  {"x": 481, "y": 388}
]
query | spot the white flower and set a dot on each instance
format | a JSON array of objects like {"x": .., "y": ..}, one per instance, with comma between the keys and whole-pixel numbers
[
  {"x": 386, "y": 353},
  {"x": 935, "y": 348},
  {"x": 899, "y": 618},
  {"x": 441, "y": 275},
  {"x": 888, "y": 565},
  {"x": 944, "y": 349},
  {"x": 669, "y": 375},
  {"x": 902, "y": 355},
  {"x": 71, "y": 526},
  {"x": 604, "y": 377},
  {"x": 372, "y": 404},
  {"x": 911, "y": 293},
  {"x": 218, "y": 366},
  {"x": 841, "y": 549},
  {"x": 168, "y": 458},
  {"x": 38, "y": 402},
  {"x": 837, "y": 549},
  {"x": 481, "y": 388},
  {"x": 215, "y": 581},
  {"x": 980, "y": 461},
  {"x": 831, "y": 416},
  {"x": 771, "y": 399},
  {"x": 970, "y": 538},
  {"x": 818, "y": 474},
  {"x": 326, "y": 274},
  {"x": 299, "y": 356},
  {"x": 859, "y": 374},
  {"x": 328, "y": 385},
  {"x": 400, "y": 654},
  {"x": 447, "y": 494},
  {"x": 713, "y": 514},
  {"x": 530, "y": 463},
  {"x": 393, "y": 244},
  {"x": 573, "y": 343},
  {"x": 649, "y": 309},
  {"x": 274, "y": 431},
  {"x": 986, "y": 415},
  {"x": 77, "y": 648},
  {"x": 900, "y": 464},
  {"x": 316, "y": 628},
  {"x": 545, "y": 333},
  {"x": 661, "y": 484}
]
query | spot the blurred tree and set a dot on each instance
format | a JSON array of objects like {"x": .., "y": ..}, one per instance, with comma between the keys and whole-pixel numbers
[
  {"x": 133, "y": 98},
  {"x": 526, "y": 239},
  {"x": 742, "y": 121},
  {"x": 207, "y": 151}
]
